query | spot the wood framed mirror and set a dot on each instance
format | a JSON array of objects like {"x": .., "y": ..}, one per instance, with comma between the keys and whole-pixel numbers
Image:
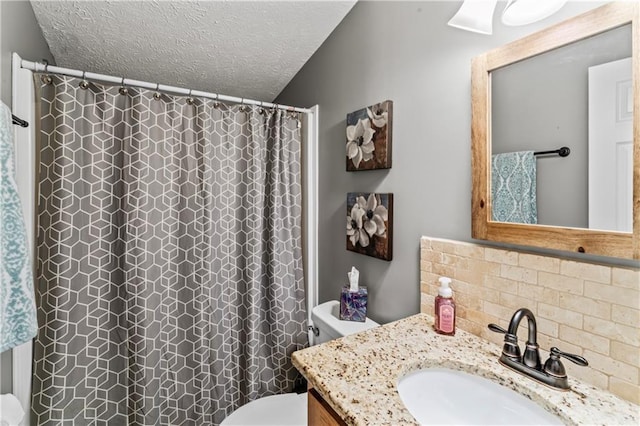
[{"x": 601, "y": 25}]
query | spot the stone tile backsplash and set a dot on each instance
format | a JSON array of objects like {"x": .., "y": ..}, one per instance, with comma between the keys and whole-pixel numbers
[{"x": 584, "y": 308}]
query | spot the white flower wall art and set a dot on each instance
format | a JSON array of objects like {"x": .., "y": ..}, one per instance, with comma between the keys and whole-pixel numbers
[
  {"x": 370, "y": 224},
  {"x": 369, "y": 137}
]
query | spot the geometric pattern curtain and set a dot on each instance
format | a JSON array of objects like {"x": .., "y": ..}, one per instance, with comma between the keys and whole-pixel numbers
[{"x": 170, "y": 285}]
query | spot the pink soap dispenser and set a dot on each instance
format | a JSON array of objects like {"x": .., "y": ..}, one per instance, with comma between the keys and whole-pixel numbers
[{"x": 445, "y": 312}]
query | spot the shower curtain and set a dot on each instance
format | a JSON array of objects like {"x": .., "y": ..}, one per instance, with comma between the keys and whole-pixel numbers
[{"x": 169, "y": 279}]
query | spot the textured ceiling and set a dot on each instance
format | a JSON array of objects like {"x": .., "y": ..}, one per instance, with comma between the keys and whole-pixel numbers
[{"x": 249, "y": 49}]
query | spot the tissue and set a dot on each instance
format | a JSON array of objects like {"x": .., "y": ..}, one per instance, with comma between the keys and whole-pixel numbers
[
  {"x": 353, "y": 299},
  {"x": 354, "y": 277},
  {"x": 11, "y": 412}
]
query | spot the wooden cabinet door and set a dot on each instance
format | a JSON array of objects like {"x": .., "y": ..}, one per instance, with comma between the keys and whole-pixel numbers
[{"x": 320, "y": 413}]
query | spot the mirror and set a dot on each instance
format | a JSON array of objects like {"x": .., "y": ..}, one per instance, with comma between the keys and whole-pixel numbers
[
  {"x": 552, "y": 110},
  {"x": 545, "y": 93}
]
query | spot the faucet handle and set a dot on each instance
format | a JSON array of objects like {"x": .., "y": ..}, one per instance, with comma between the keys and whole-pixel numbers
[
  {"x": 497, "y": 329},
  {"x": 554, "y": 367},
  {"x": 576, "y": 359},
  {"x": 510, "y": 348}
]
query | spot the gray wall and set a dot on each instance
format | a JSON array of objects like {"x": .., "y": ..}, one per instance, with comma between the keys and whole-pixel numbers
[
  {"x": 555, "y": 85},
  {"x": 402, "y": 51},
  {"x": 20, "y": 33}
]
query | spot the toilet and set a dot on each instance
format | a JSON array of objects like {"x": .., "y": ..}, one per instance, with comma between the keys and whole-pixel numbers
[{"x": 291, "y": 408}]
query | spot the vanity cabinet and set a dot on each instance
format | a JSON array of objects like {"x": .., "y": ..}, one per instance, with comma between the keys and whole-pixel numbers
[{"x": 320, "y": 413}]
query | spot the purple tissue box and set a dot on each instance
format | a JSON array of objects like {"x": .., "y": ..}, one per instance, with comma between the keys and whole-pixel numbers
[{"x": 353, "y": 305}]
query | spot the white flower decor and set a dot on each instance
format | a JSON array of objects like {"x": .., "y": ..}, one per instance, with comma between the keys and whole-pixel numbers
[
  {"x": 378, "y": 114},
  {"x": 370, "y": 224},
  {"x": 354, "y": 226},
  {"x": 360, "y": 142},
  {"x": 374, "y": 215},
  {"x": 369, "y": 133}
]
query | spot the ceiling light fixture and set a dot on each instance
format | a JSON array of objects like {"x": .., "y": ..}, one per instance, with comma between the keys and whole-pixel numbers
[
  {"x": 524, "y": 12},
  {"x": 477, "y": 15}
]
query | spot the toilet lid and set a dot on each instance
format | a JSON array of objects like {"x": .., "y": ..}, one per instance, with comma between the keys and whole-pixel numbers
[{"x": 286, "y": 409}]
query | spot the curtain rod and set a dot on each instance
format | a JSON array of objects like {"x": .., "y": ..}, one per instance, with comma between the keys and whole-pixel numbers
[
  {"x": 562, "y": 152},
  {"x": 40, "y": 67},
  {"x": 19, "y": 121}
]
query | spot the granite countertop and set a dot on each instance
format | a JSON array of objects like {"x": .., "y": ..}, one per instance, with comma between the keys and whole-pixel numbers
[{"x": 357, "y": 375}]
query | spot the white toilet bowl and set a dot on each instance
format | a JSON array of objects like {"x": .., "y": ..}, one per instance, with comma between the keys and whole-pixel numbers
[
  {"x": 11, "y": 411},
  {"x": 291, "y": 408},
  {"x": 286, "y": 409}
]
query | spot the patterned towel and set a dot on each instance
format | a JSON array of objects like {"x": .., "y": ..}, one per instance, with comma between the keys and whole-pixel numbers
[
  {"x": 17, "y": 301},
  {"x": 513, "y": 187}
]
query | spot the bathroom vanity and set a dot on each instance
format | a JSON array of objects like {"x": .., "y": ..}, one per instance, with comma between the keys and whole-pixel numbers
[
  {"x": 320, "y": 412},
  {"x": 354, "y": 379}
]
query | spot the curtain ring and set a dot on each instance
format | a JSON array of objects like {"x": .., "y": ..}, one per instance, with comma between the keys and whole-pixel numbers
[
  {"x": 216, "y": 103},
  {"x": 261, "y": 110},
  {"x": 157, "y": 94},
  {"x": 189, "y": 98},
  {"x": 243, "y": 108},
  {"x": 123, "y": 90},
  {"x": 84, "y": 83}
]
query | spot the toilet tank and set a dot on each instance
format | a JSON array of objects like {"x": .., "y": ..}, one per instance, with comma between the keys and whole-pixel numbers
[{"x": 326, "y": 318}]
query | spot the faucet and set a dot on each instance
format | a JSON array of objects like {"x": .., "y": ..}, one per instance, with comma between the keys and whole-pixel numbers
[{"x": 552, "y": 373}]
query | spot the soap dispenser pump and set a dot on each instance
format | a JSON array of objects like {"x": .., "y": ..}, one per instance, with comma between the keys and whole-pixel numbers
[{"x": 445, "y": 309}]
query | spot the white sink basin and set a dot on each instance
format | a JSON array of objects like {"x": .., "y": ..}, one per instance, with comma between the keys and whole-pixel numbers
[{"x": 444, "y": 396}]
